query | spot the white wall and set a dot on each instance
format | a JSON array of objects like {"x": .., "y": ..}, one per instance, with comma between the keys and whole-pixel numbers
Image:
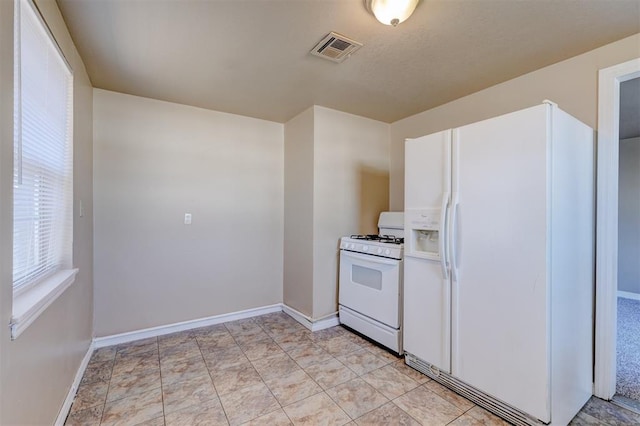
[
  {"x": 155, "y": 161},
  {"x": 336, "y": 184},
  {"x": 298, "y": 212},
  {"x": 351, "y": 181},
  {"x": 629, "y": 216},
  {"x": 572, "y": 83},
  {"x": 37, "y": 369}
]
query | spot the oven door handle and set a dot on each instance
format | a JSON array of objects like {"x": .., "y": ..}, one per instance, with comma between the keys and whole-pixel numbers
[{"x": 370, "y": 258}]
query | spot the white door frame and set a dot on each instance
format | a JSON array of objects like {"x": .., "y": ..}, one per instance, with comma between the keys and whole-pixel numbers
[{"x": 607, "y": 224}]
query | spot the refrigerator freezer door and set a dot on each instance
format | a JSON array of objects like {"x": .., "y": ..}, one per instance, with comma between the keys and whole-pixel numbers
[
  {"x": 427, "y": 171},
  {"x": 500, "y": 297},
  {"x": 427, "y": 288},
  {"x": 427, "y": 319}
]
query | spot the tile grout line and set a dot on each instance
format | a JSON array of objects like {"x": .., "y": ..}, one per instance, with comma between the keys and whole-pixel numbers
[
  {"x": 104, "y": 405},
  {"x": 323, "y": 390},
  {"x": 303, "y": 370},
  {"x": 213, "y": 383},
  {"x": 164, "y": 418},
  {"x": 389, "y": 400},
  {"x": 400, "y": 396},
  {"x": 358, "y": 377},
  {"x": 265, "y": 383},
  {"x": 307, "y": 374},
  {"x": 462, "y": 414}
]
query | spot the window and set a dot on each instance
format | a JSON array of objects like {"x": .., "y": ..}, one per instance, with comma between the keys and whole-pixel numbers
[{"x": 43, "y": 168}]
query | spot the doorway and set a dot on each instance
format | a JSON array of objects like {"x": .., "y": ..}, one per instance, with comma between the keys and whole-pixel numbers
[
  {"x": 610, "y": 80},
  {"x": 628, "y": 303}
]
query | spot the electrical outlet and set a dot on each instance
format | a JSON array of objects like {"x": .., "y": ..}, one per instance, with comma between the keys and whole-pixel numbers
[{"x": 187, "y": 218}]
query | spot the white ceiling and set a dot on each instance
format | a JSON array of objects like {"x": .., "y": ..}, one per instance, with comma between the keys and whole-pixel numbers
[{"x": 251, "y": 57}]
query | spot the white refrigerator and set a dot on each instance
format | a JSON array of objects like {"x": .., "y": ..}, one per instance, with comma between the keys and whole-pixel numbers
[{"x": 499, "y": 262}]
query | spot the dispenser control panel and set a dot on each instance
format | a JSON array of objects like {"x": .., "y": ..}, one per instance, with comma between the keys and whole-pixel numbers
[
  {"x": 426, "y": 221},
  {"x": 423, "y": 229}
]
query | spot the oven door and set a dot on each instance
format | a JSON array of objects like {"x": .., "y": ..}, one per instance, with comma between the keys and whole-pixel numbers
[{"x": 370, "y": 285}]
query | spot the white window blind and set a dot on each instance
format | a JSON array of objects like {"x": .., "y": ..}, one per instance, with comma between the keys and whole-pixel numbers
[{"x": 43, "y": 157}]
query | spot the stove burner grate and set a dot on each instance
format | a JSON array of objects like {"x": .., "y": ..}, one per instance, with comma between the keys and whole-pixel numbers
[{"x": 382, "y": 238}]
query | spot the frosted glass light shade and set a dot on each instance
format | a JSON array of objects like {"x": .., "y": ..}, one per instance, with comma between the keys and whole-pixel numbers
[{"x": 391, "y": 12}]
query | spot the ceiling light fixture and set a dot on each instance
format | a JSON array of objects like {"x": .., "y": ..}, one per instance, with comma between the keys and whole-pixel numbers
[{"x": 391, "y": 12}]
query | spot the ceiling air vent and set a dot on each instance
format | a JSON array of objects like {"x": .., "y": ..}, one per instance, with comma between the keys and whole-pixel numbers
[{"x": 335, "y": 47}]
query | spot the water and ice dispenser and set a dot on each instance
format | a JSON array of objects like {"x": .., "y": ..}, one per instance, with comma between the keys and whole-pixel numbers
[{"x": 423, "y": 229}]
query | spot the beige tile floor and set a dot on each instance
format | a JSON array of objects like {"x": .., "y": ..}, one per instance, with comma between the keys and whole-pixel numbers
[{"x": 269, "y": 370}]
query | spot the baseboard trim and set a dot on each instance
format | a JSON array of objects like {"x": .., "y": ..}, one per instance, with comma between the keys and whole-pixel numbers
[
  {"x": 628, "y": 295},
  {"x": 311, "y": 324},
  {"x": 116, "y": 339},
  {"x": 66, "y": 406},
  {"x": 298, "y": 316},
  {"x": 327, "y": 322}
]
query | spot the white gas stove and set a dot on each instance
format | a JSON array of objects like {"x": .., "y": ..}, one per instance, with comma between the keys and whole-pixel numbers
[
  {"x": 377, "y": 245},
  {"x": 370, "y": 296}
]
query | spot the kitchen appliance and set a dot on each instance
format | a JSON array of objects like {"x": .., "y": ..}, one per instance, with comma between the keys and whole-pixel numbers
[
  {"x": 370, "y": 284},
  {"x": 499, "y": 260}
]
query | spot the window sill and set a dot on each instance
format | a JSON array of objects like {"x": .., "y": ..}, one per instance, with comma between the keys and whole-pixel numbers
[{"x": 29, "y": 305}]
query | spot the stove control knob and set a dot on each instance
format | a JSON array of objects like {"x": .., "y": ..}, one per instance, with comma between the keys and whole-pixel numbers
[
  {"x": 380, "y": 250},
  {"x": 365, "y": 248},
  {"x": 387, "y": 252}
]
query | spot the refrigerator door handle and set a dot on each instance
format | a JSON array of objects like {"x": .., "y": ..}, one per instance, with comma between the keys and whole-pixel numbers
[
  {"x": 453, "y": 237},
  {"x": 444, "y": 264}
]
